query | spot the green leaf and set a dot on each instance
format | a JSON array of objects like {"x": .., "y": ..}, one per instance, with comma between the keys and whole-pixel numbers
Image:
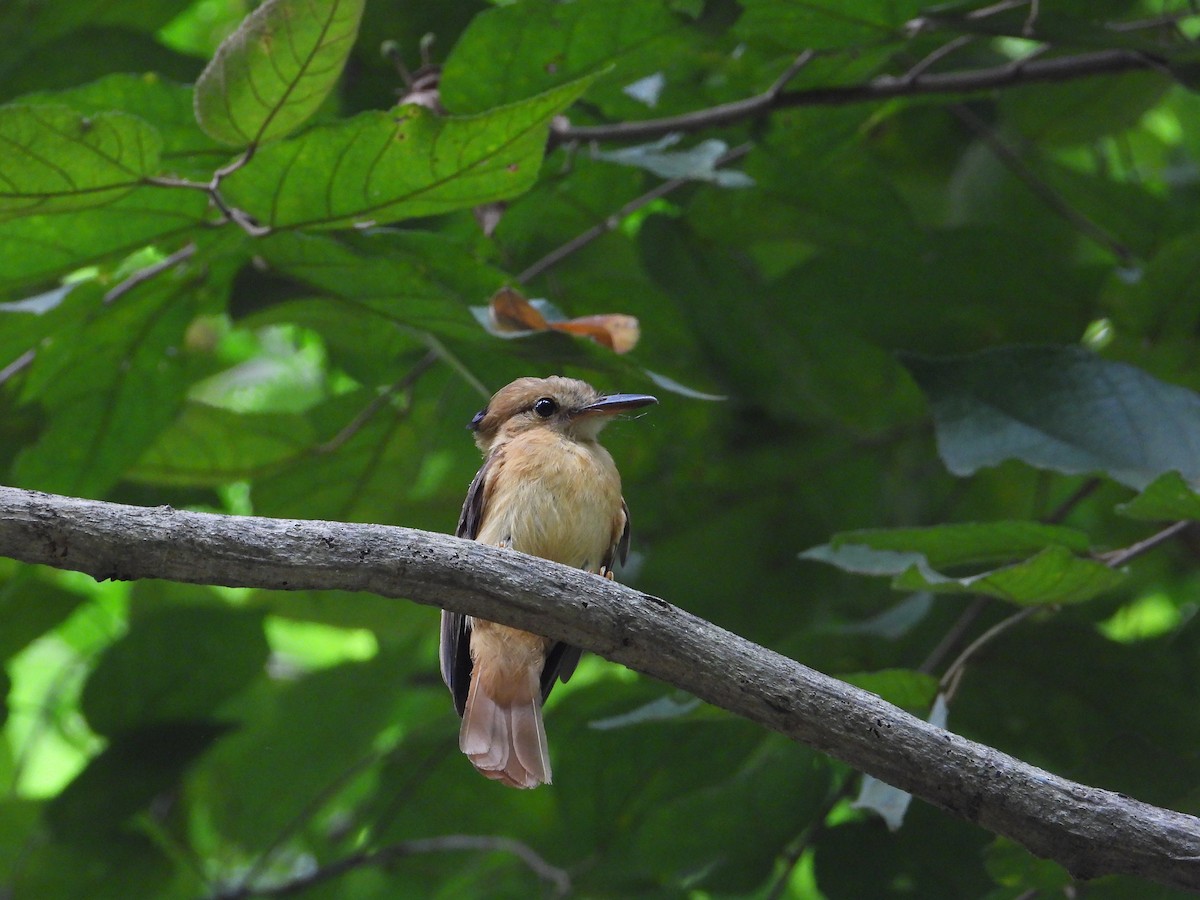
[
  {"x": 1167, "y": 498},
  {"x": 386, "y": 166},
  {"x": 59, "y": 160},
  {"x": 126, "y": 775},
  {"x": 749, "y": 819},
  {"x": 298, "y": 741},
  {"x": 209, "y": 446},
  {"x": 516, "y": 51},
  {"x": 906, "y": 688},
  {"x": 108, "y": 384},
  {"x": 419, "y": 279},
  {"x": 273, "y": 73},
  {"x": 1051, "y": 575},
  {"x": 1059, "y": 408},
  {"x": 968, "y": 543},
  {"x": 36, "y": 248},
  {"x": 822, "y": 24},
  {"x": 176, "y": 663},
  {"x": 29, "y": 607}
]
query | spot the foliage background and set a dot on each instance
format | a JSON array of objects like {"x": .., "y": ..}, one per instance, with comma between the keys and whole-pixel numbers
[{"x": 164, "y": 740}]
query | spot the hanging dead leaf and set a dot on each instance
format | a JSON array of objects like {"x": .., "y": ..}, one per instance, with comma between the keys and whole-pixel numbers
[{"x": 509, "y": 314}]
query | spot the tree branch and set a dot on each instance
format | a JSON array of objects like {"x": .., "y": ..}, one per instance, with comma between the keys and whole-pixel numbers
[
  {"x": 1088, "y": 830},
  {"x": 885, "y": 87}
]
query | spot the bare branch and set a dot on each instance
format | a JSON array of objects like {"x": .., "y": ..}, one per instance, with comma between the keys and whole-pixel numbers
[
  {"x": 1118, "y": 558},
  {"x": 186, "y": 252},
  {"x": 613, "y": 222},
  {"x": 885, "y": 87},
  {"x": 1088, "y": 830}
]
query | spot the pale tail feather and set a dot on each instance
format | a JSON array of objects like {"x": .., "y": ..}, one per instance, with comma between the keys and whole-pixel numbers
[{"x": 506, "y": 743}]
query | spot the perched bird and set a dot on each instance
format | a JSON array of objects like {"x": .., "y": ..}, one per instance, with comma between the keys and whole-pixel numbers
[{"x": 546, "y": 488}]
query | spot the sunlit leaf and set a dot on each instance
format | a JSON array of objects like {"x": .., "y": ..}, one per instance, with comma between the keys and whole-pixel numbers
[
  {"x": 272, "y": 73},
  {"x": 381, "y": 167},
  {"x": 58, "y": 160},
  {"x": 1166, "y": 498},
  {"x": 175, "y": 664}
]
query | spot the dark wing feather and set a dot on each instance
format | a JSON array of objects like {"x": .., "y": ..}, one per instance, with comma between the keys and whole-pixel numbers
[
  {"x": 563, "y": 658},
  {"x": 455, "y": 650}
]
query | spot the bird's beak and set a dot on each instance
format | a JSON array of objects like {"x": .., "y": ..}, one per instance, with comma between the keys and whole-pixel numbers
[{"x": 617, "y": 403}]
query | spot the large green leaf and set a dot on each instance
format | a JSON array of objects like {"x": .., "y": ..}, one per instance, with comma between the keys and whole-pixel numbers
[
  {"x": 824, "y": 24},
  {"x": 302, "y": 739},
  {"x": 418, "y": 279},
  {"x": 164, "y": 104},
  {"x": 59, "y": 160},
  {"x": 108, "y": 385},
  {"x": 516, "y": 51},
  {"x": 1060, "y": 408},
  {"x": 273, "y": 73},
  {"x": 1048, "y": 571},
  {"x": 177, "y": 663},
  {"x": 126, "y": 776},
  {"x": 31, "y": 606},
  {"x": 35, "y": 248},
  {"x": 210, "y": 446},
  {"x": 385, "y": 166}
]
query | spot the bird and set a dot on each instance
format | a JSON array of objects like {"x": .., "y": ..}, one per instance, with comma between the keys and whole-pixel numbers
[{"x": 549, "y": 489}]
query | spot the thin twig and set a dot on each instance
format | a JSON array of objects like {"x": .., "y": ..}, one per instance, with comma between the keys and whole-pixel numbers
[
  {"x": 955, "y": 634},
  {"x": 954, "y": 672},
  {"x": 1118, "y": 558},
  {"x": 405, "y": 383},
  {"x": 884, "y": 87},
  {"x": 184, "y": 253},
  {"x": 18, "y": 365},
  {"x": 613, "y": 222},
  {"x": 1044, "y": 192},
  {"x": 1065, "y": 508},
  {"x": 791, "y": 857},
  {"x": 212, "y": 187},
  {"x": 310, "y": 809},
  {"x": 384, "y": 856},
  {"x": 937, "y": 56}
]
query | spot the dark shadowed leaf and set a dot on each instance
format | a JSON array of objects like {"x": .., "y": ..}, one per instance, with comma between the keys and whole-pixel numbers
[
  {"x": 303, "y": 739},
  {"x": 176, "y": 663},
  {"x": 381, "y": 167},
  {"x": 30, "y": 606},
  {"x": 1060, "y": 408},
  {"x": 126, "y": 775},
  {"x": 58, "y": 160},
  {"x": 272, "y": 73}
]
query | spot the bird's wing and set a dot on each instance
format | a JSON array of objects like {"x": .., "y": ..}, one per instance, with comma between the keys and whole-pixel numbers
[
  {"x": 455, "y": 649},
  {"x": 563, "y": 658}
]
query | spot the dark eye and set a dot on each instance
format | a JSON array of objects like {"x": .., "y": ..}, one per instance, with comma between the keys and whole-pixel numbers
[{"x": 545, "y": 407}]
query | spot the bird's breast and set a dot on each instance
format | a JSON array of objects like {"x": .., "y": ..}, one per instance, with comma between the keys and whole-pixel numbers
[{"x": 555, "y": 498}]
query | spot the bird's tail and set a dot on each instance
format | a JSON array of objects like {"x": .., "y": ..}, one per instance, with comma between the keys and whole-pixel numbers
[{"x": 502, "y": 731}]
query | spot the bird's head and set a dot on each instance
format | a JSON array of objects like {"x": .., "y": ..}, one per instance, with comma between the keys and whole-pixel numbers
[{"x": 571, "y": 407}]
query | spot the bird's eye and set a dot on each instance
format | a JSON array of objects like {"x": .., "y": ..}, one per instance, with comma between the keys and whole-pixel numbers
[{"x": 545, "y": 407}]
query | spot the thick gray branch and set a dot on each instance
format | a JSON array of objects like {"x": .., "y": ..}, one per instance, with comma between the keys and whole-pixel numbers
[{"x": 1090, "y": 831}]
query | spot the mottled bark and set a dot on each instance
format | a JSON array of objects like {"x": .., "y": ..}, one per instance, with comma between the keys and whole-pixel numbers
[{"x": 1088, "y": 830}]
